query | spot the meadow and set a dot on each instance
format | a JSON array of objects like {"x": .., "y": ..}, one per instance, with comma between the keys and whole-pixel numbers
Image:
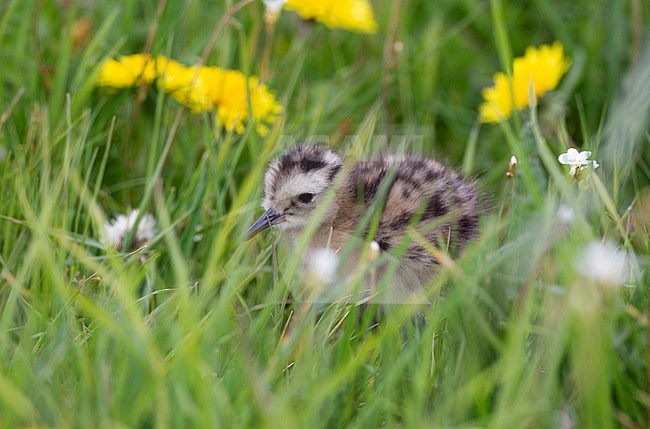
[{"x": 543, "y": 322}]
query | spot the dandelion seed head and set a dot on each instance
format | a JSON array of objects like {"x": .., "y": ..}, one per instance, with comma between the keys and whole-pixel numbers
[
  {"x": 603, "y": 263},
  {"x": 116, "y": 230},
  {"x": 274, "y": 6},
  {"x": 565, "y": 214},
  {"x": 566, "y": 418},
  {"x": 323, "y": 264}
]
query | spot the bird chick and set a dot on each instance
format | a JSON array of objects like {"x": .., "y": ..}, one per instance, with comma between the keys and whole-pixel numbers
[{"x": 407, "y": 191}]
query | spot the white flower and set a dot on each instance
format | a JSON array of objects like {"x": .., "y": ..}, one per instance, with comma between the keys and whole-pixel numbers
[
  {"x": 323, "y": 264},
  {"x": 576, "y": 160},
  {"x": 374, "y": 251},
  {"x": 512, "y": 166},
  {"x": 573, "y": 157},
  {"x": 567, "y": 418},
  {"x": 604, "y": 263},
  {"x": 595, "y": 164},
  {"x": 274, "y": 6},
  {"x": 199, "y": 235},
  {"x": 565, "y": 214},
  {"x": 116, "y": 230}
]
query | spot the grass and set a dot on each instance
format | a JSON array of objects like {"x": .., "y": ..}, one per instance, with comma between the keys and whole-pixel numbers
[{"x": 193, "y": 333}]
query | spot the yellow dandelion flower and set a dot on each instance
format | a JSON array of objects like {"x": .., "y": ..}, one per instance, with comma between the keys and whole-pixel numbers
[
  {"x": 193, "y": 87},
  {"x": 201, "y": 88},
  {"x": 232, "y": 103},
  {"x": 206, "y": 88},
  {"x": 352, "y": 15},
  {"x": 128, "y": 71},
  {"x": 266, "y": 109},
  {"x": 543, "y": 66}
]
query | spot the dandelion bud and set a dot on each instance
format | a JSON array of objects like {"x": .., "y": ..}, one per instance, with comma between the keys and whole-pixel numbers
[
  {"x": 272, "y": 10},
  {"x": 374, "y": 252},
  {"x": 274, "y": 6},
  {"x": 512, "y": 166},
  {"x": 81, "y": 32}
]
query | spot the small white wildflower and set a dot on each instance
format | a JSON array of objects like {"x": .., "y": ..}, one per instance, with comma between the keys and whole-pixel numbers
[
  {"x": 573, "y": 157},
  {"x": 604, "y": 263},
  {"x": 566, "y": 418},
  {"x": 565, "y": 214},
  {"x": 198, "y": 236},
  {"x": 398, "y": 47},
  {"x": 116, "y": 230},
  {"x": 576, "y": 160},
  {"x": 323, "y": 264},
  {"x": 595, "y": 164},
  {"x": 274, "y": 6},
  {"x": 374, "y": 251},
  {"x": 513, "y": 160}
]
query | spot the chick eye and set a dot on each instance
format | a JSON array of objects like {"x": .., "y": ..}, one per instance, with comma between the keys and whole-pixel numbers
[{"x": 306, "y": 198}]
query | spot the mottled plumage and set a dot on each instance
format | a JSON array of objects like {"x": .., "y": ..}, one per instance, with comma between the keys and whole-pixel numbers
[{"x": 408, "y": 190}]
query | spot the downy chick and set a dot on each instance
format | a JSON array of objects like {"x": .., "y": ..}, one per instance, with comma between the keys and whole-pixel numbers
[{"x": 409, "y": 191}]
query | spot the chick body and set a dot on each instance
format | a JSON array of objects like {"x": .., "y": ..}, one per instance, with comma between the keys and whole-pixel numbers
[{"x": 408, "y": 191}]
